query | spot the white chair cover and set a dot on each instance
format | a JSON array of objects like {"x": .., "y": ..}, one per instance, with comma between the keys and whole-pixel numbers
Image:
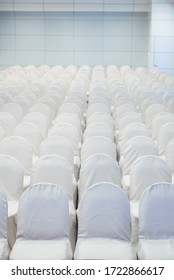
[
  {"x": 165, "y": 135},
  {"x": 31, "y": 133},
  {"x": 101, "y": 117},
  {"x": 156, "y": 226},
  {"x": 97, "y": 107},
  {"x": 15, "y": 109},
  {"x": 11, "y": 183},
  {"x": 43, "y": 224},
  {"x": 96, "y": 169},
  {"x": 144, "y": 172},
  {"x": 159, "y": 120},
  {"x": 42, "y": 108},
  {"x": 57, "y": 145},
  {"x": 68, "y": 131},
  {"x": 19, "y": 148},
  {"x": 151, "y": 112},
  {"x": 40, "y": 120},
  {"x": 104, "y": 224},
  {"x": 7, "y": 122},
  {"x": 98, "y": 129},
  {"x": 4, "y": 250},
  {"x": 56, "y": 170},
  {"x": 98, "y": 145}
]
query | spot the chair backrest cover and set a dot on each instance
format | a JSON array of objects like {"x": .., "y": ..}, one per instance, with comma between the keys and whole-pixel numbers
[
  {"x": 43, "y": 213},
  {"x": 156, "y": 210},
  {"x": 57, "y": 145},
  {"x": 145, "y": 171},
  {"x": 135, "y": 148},
  {"x": 11, "y": 177},
  {"x": 98, "y": 145},
  {"x": 19, "y": 148},
  {"x": 96, "y": 169},
  {"x": 56, "y": 170},
  {"x": 31, "y": 133},
  {"x": 104, "y": 211}
]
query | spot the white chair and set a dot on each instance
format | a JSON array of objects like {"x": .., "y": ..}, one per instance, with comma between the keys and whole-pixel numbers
[
  {"x": 68, "y": 118},
  {"x": 68, "y": 131},
  {"x": 42, "y": 108},
  {"x": 56, "y": 170},
  {"x": 151, "y": 112},
  {"x": 98, "y": 168},
  {"x": 40, "y": 120},
  {"x": 156, "y": 225},
  {"x": 31, "y": 133},
  {"x": 15, "y": 109},
  {"x": 7, "y": 122},
  {"x": 101, "y": 117},
  {"x": 145, "y": 171},
  {"x": 57, "y": 145},
  {"x": 97, "y": 107},
  {"x": 104, "y": 224},
  {"x": 43, "y": 225},
  {"x": 19, "y": 148},
  {"x": 159, "y": 120},
  {"x": 165, "y": 135},
  {"x": 4, "y": 249},
  {"x": 98, "y": 145},
  {"x": 130, "y": 131},
  {"x": 11, "y": 183},
  {"x": 135, "y": 148},
  {"x": 98, "y": 129}
]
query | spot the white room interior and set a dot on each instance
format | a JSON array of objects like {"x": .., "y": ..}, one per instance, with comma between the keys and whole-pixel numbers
[{"x": 132, "y": 32}]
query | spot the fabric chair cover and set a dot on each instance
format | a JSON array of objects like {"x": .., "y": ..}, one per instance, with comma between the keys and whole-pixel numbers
[
  {"x": 97, "y": 107},
  {"x": 57, "y": 145},
  {"x": 165, "y": 135},
  {"x": 40, "y": 120},
  {"x": 19, "y": 148},
  {"x": 130, "y": 131},
  {"x": 96, "y": 169},
  {"x": 151, "y": 112},
  {"x": 98, "y": 129},
  {"x": 159, "y": 120},
  {"x": 68, "y": 131},
  {"x": 127, "y": 119},
  {"x": 156, "y": 226},
  {"x": 42, "y": 108},
  {"x": 11, "y": 183},
  {"x": 15, "y": 109},
  {"x": 43, "y": 224},
  {"x": 4, "y": 250},
  {"x": 144, "y": 172},
  {"x": 56, "y": 170},
  {"x": 98, "y": 145},
  {"x": 68, "y": 118},
  {"x": 104, "y": 204},
  {"x": 101, "y": 117},
  {"x": 31, "y": 133},
  {"x": 7, "y": 122}
]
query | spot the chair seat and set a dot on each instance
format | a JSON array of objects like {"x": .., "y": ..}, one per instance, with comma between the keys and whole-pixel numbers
[
  {"x": 103, "y": 248},
  {"x": 158, "y": 249},
  {"x": 4, "y": 251},
  {"x": 41, "y": 250}
]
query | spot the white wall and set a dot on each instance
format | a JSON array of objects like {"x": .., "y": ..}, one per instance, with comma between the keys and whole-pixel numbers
[
  {"x": 74, "y": 38},
  {"x": 161, "y": 49}
]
